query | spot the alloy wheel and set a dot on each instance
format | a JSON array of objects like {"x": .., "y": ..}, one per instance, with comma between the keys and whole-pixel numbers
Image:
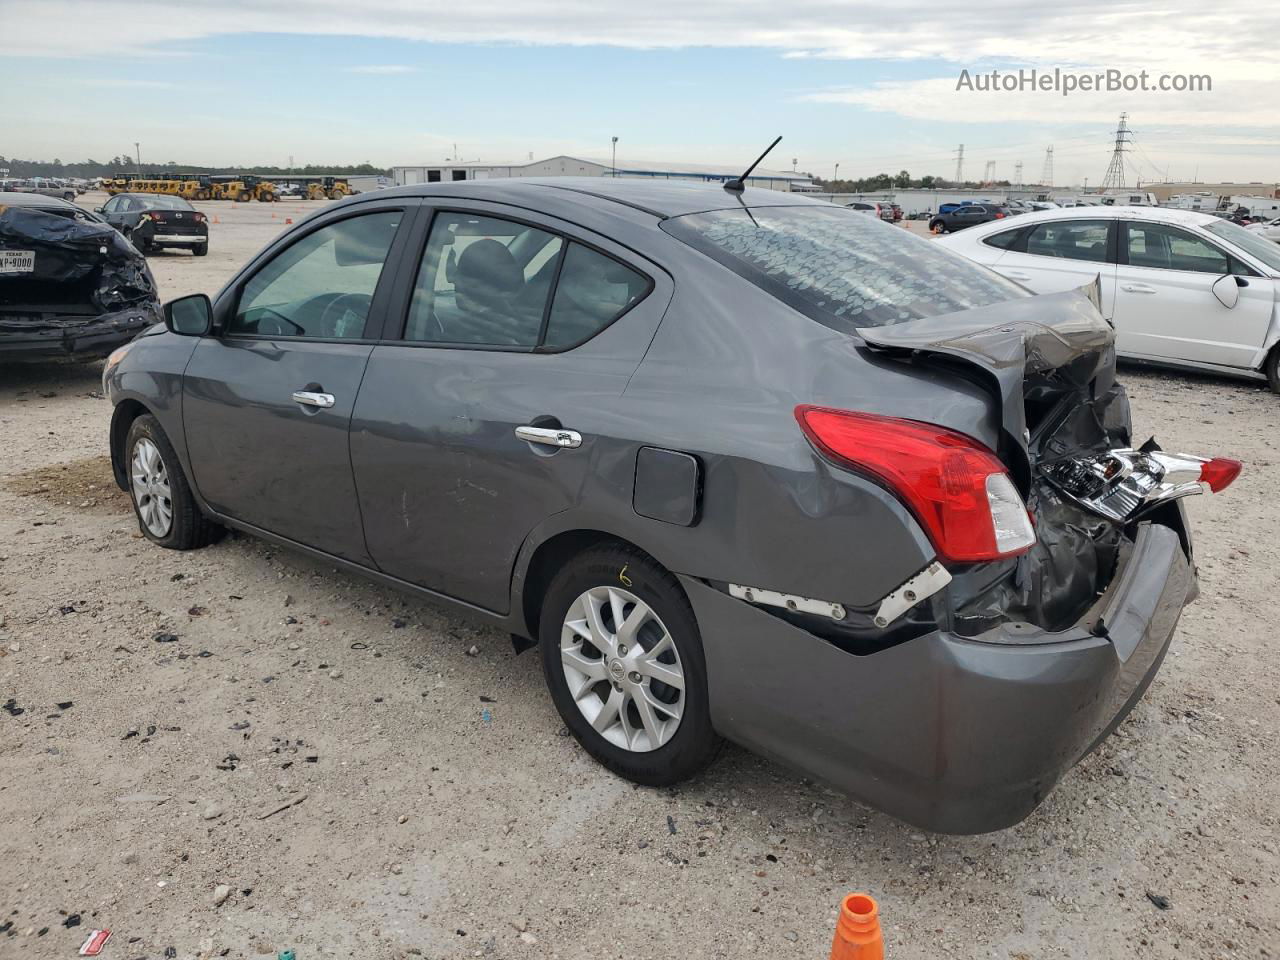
[
  {"x": 622, "y": 668},
  {"x": 150, "y": 483}
]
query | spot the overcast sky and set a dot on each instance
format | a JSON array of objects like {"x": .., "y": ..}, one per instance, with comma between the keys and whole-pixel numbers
[{"x": 871, "y": 86}]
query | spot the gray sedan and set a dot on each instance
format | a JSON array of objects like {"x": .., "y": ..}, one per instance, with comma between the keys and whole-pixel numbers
[{"x": 740, "y": 464}]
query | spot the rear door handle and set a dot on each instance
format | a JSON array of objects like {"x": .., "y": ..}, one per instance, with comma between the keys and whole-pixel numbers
[
  {"x": 1137, "y": 288},
  {"x": 310, "y": 398},
  {"x": 552, "y": 437}
]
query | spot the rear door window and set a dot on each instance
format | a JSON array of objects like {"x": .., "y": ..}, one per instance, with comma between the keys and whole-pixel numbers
[
  {"x": 1004, "y": 240},
  {"x": 492, "y": 282},
  {"x": 1070, "y": 239},
  {"x": 841, "y": 268},
  {"x": 592, "y": 291},
  {"x": 478, "y": 285}
]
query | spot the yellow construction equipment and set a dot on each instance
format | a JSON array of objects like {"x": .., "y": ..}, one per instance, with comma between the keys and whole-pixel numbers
[
  {"x": 241, "y": 188},
  {"x": 328, "y": 188},
  {"x": 236, "y": 190}
]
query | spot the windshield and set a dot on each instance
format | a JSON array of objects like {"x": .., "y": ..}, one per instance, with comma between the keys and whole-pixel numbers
[
  {"x": 1252, "y": 243},
  {"x": 166, "y": 203},
  {"x": 840, "y": 267}
]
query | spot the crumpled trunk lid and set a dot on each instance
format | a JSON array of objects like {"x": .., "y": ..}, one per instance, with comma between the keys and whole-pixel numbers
[
  {"x": 1034, "y": 354},
  {"x": 1049, "y": 363}
]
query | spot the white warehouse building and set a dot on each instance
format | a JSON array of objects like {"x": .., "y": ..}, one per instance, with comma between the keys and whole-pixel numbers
[{"x": 564, "y": 166}]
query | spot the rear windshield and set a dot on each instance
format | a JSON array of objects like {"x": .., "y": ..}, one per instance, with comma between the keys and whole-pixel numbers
[
  {"x": 159, "y": 202},
  {"x": 839, "y": 267}
]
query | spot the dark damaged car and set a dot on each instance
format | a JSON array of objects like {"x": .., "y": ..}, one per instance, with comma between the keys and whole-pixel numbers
[
  {"x": 741, "y": 464},
  {"x": 70, "y": 285},
  {"x": 154, "y": 222}
]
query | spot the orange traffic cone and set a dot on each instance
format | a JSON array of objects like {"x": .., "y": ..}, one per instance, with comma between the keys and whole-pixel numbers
[
  {"x": 273, "y": 216},
  {"x": 858, "y": 930},
  {"x": 288, "y": 219},
  {"x": 215, "y": 219}
]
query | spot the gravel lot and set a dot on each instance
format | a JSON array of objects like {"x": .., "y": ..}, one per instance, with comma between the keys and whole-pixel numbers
[{"x": 363, "y": 784}]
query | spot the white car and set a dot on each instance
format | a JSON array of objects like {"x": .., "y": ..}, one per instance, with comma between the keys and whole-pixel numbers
[
  {"x": 1182, "y": 289},
  {"x": 1269, "y": 229}
]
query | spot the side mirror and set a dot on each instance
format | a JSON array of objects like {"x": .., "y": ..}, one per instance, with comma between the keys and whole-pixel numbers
[
  {"x": 98, "y": 210},
  {"x": 1227, "y": 291},
  {"x": 189, "y": 316}
]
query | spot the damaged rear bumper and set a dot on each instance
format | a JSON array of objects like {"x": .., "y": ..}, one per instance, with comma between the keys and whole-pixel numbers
[
  {"x": 72, "y": 337},
  {"x": 953, "y": 734}
]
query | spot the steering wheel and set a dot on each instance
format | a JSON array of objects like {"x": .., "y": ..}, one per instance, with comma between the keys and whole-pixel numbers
[
  {"x": 360, "y": 307},
  {"x": 281, "y": 320}
]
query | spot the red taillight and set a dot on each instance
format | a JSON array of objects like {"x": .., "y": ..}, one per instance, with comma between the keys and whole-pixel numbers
[
  {"x": 198, "y": 217},
  {"x": 999, "y": 216},
  {"x": 155, "y": 216},
  {"x": 957, "y": 488},
  {"x": 1219, "y": 472}
]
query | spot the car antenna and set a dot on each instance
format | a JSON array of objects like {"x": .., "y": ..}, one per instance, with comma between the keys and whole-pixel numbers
[{"x": 737, "y": 186}]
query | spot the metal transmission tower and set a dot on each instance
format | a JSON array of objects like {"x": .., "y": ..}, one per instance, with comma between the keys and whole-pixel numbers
[
  {"x": 989, "y": 172},
  {"x": 1017, "y": 174},
  {"x": 960, "y": 164},
  {"x": 1114, "y": 177},
  {"x": 1046, "y": 175}
]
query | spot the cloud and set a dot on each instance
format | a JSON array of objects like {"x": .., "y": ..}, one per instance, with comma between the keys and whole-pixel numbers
[
  {"x": 1097, "y": 31},
  {"x": 1183, "y": 36},
  {"x": 931, "y": 40},
  {"x": 382, "y": 69}
]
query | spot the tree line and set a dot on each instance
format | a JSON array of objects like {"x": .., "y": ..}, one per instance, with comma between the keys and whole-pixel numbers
[
  {"x": 125, "y": 163},
  {"x": 902, "y": 180}
]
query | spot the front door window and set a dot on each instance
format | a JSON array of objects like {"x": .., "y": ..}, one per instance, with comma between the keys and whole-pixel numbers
[{"x": 322, "y": 286}]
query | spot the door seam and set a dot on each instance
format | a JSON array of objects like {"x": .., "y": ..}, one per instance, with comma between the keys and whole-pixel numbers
[{"x": 351, "y": 463}]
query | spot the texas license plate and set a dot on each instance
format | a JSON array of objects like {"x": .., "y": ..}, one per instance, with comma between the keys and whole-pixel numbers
[{"x": 17, "y": 261}]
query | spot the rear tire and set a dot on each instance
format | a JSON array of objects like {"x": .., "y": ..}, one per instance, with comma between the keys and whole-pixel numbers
[
  {"x": 200, "y": 249},
  {"x": 158, "y": 487},
  {"x": 1272, "y": 369},
  {"x": 650, "y": 732}
]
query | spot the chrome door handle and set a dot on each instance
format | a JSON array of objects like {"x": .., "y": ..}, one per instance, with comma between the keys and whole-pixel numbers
[
  {"x": 1017, "y": 276},
  {"x": 311, "y": 399},
  {"x": 1137, "y": 288},
  {"x": 552, "y": 437}
]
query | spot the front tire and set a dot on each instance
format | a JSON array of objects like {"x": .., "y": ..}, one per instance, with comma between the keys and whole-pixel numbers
[
  {"x": 162, "y": 501},
  {"x": 937, "y": 226},
  {"x": 623, "y": 660},
  {"x": 1272, "y": 369}
]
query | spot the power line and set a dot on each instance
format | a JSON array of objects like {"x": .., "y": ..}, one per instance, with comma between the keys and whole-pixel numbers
[{"x": 1161, "y": 173}]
